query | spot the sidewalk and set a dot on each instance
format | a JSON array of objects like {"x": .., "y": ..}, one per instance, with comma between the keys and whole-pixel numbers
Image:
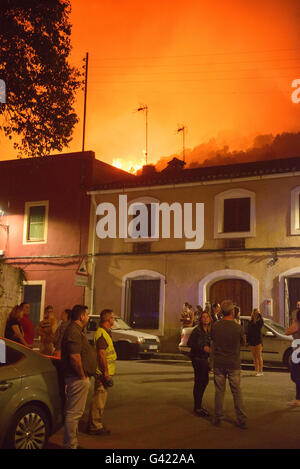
[{"x": 171, "y": 356}]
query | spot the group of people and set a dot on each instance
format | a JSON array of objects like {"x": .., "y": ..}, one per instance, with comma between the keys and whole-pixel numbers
[
  {"x": 215, "y": 343},
  {"x": 20, "y": 328},
  {"x": 79, "y": 360},
  {"x": 189, "y": 317}
]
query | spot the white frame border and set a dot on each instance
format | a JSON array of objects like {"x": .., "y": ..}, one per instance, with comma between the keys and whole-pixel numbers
[
  {"x": 295, "y": 217},
  {"x": 210, "y": 279},
  {"x": 43, "y": 283},
  {"x": 147, "y": 275},
  {"x": 45, "y": 203},
  {"x": 219, "y": 213}
]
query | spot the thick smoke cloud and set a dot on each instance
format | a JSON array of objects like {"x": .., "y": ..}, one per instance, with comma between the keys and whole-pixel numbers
[{"x": 265, "y": 147}]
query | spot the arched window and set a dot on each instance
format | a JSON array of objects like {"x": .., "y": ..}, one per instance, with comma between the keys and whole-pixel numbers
[
  {"x": 234, "y": 214},
  {"x": 136, "y": 209},
  {"x": 295, "y": 211},
  {"x": 143, "y": 300}
]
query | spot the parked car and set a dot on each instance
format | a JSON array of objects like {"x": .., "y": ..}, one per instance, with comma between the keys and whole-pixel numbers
[
  {"x": 128, "y": 342},
  {"x": 30, "y": 397},
  {"x": 277, "y": 347}
]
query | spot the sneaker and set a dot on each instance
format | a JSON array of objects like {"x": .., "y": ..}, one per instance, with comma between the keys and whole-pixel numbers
[
  {"x": 242, "y": 425},
  {"x": 102, "y": 431},
  {"x": 201, "y": 412}
]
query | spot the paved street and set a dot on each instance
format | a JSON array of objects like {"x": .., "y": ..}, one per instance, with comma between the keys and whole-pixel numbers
[{"x": 150, "y": 406}]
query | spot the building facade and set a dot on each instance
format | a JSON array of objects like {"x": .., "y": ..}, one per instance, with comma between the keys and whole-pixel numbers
[
  {"x": 44, "y": 224},
  {"x": 251, "y": 250}
]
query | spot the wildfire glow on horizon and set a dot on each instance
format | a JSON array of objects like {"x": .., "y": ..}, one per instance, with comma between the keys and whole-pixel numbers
[{"x": 128, "y": 166}]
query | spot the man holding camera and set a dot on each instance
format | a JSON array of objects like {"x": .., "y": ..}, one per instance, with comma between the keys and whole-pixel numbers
[{"x": 106, "y": 357}]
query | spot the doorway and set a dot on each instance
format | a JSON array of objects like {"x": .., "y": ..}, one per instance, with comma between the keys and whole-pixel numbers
[
  {"x": 33, "y": 294},
  {"x": 237, "y": 290},
  {"x": 143, "y": 303}
]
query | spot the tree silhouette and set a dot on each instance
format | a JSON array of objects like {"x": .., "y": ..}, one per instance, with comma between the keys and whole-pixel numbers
[{"x": 40, "y": 83}]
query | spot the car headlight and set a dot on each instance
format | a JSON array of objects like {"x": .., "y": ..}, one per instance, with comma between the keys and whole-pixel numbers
[{"x": 140, "y": 340}]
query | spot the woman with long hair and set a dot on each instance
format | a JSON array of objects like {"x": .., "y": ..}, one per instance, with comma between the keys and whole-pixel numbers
[
  {"x": 254, "y": 340},
  {"x": 216, "y": 314},
  {"x": 294, "y": 330},
  {"x": 46, "y": 330},
  {"x": 199, "y": 342},
  {"x": 13, "y": 329}
]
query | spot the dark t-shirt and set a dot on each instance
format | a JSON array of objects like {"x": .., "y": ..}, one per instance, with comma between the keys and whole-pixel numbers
[
  {"x": 74, "y": 341},
  {"x": 9, "y": 333},
  {"x": 227, "y": 337},
  {"x": 254, "y": 336}
]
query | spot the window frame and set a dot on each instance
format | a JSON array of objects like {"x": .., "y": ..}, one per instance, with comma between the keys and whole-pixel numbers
[
  {"x": 28, "y": 205},
  {"x": 219, "y": 214},
  {"x": 146, "y": 275},
  {"x": 295, "y": 211},
  {"x": 145, "y": 201}
]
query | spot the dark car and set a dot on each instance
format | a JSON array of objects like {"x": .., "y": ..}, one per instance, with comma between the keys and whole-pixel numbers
[{"x": 30, "y": 397}]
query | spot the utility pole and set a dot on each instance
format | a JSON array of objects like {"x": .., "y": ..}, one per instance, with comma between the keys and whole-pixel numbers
[
  {"x": 145, "y": 108},
  {"x": 85, "y": 95},
  {"x": 182, "y": 129}
]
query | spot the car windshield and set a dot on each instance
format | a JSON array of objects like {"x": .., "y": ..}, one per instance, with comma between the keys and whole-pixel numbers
[
  {"x": 274, "y": 325},
  {"x": 120, "y": 324}
]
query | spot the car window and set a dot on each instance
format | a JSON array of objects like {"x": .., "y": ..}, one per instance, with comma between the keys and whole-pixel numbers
[
  {"x": 277, "y": 327},
  {"x": 12, "y": 356},
  {"x": 266, "y": 331},
  {"x": 93, "y": 324}
]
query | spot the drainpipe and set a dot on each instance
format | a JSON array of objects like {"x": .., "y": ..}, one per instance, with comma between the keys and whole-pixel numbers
[{"x": 93, "y": 207}]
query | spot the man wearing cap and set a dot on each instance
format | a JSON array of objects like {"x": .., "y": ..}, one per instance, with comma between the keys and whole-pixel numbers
[{"x": 227, "y": 337}]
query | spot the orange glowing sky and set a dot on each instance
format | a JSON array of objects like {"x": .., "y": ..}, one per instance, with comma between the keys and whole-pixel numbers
[{"x": 224, "y": 69}]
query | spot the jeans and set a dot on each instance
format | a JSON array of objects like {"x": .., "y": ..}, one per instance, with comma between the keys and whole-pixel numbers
[
  {"x": 77, "y": 392},
  {"x": 234, "y": 378},
  {"x": 98, "y": 404},
  {"x": 201, "y": 370}
]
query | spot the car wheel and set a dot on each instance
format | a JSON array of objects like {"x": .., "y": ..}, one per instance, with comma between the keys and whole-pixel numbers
[
  {"x": 29, "y": 429},
  {"x": 287, "y": 358}
]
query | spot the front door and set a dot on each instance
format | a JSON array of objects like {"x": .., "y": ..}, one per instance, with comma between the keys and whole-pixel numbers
[
  {"x": 144, "y": 304},
  {"x": 33, "y": 296},
  {"x": 237, "y": 290}
]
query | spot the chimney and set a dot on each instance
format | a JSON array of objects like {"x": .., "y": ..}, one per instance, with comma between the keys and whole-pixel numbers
[
  {"x": 175, "y": 165},
  {"x": 148, "y": 170}
]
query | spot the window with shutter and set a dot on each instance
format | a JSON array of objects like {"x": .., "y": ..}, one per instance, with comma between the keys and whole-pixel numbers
[{"x": 236, "y": 215}]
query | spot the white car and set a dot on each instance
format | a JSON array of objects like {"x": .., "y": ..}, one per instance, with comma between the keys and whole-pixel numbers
[
  {"x": 128, "y": 342},
  {"x": 277, "y": 347}
]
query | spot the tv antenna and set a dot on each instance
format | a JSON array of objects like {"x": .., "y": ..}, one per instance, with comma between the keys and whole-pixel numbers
[
  {"x": 182, "y": 128},
  {"x": 145, "y": 108}
]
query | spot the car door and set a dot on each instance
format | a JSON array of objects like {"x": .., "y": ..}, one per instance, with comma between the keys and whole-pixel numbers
[
  {"x": 271, "y": 347},
  {"x": 10, "y": 384},
  {"x": 245, "y": 353}
]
